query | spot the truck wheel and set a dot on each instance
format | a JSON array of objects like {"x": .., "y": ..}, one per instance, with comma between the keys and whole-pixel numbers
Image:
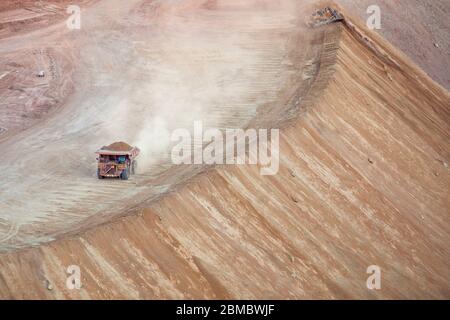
[
  {"x": 134, "y": 167},
  {"x": 99, "y": 175},
  {"x": 125, "y": 174}
]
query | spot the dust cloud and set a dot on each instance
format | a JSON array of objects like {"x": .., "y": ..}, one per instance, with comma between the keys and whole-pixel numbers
[{"x": 204, "y": 63}]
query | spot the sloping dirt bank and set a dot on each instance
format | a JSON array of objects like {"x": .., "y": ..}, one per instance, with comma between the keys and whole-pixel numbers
[
  {"x": 142, "y": 69},
  {"x": 363, "y": 181}
]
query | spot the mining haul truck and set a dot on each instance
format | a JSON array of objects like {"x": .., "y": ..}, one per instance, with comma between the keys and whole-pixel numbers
[{"x": 118, "y": 160}]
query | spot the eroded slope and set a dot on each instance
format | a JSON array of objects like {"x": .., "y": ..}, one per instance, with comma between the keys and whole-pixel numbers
[{"x": 363, "y": 181}]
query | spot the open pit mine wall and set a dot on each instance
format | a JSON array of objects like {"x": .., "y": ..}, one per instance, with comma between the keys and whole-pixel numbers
[{"x": 363, "y": 181}]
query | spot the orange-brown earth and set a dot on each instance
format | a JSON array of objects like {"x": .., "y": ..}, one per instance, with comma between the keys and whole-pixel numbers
[
  {"x": 118, "y": 146},
  {"x": 363, "y": 181}
]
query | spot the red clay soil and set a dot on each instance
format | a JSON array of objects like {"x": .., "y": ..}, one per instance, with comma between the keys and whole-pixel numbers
[{"x": 118, "y": 146}]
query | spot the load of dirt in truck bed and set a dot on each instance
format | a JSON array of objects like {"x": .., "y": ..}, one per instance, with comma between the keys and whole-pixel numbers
[{"x": 118, "y": 146}]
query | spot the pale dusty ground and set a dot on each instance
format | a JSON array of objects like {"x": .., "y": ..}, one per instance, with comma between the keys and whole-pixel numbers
[
  {"x": 139, "y": 69},
  {"x": 137, "y": 80},
  {"x": 362, "y": 181}
]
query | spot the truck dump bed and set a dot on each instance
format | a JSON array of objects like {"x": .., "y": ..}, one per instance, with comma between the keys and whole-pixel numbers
[{"x": 119, "y": 148}]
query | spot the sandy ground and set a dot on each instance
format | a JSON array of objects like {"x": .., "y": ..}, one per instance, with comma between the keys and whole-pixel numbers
[
  {"x": 362, "y": 181},
  {"x": 137, "y": 82},
  {"x": 139, "y": 69}
]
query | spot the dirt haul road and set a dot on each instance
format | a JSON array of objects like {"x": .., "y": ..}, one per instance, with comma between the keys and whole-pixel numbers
[
  {"x": 139, "y": 75},
  {"x": 363, "y": 174}
]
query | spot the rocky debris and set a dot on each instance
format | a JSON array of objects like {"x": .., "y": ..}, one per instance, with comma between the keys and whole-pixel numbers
[
  {"x": 49, "y": 285},
  {"x": 325, "y": 16},
  {"x": 118, "y": 146},
  {"x": 292, "y": 173},
  {"x": 295, "y": 275}
]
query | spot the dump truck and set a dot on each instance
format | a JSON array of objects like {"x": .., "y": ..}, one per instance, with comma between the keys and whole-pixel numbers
[{"x": 118, "y": 160}]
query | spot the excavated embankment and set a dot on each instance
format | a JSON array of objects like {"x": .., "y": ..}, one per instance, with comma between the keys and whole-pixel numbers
[{"x": 363, "y": 181}]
